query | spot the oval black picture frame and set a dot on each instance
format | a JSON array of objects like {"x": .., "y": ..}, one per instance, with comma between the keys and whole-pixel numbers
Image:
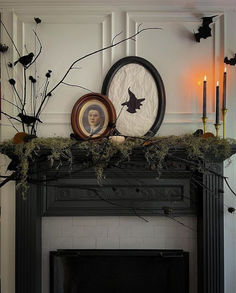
[{"x": 158, "y": 81}]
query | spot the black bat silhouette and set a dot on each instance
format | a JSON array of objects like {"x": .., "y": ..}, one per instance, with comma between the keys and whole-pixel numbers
[
  {"x": 231, "y": 210},
  {"x": 37, "y": 20},
  {"x": 231, "y": 61},
  {"x": 133, "y": 102},
  {"x": 204, "y": 31}
]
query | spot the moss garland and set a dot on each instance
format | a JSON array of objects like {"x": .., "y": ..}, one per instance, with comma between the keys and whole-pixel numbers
[{"x": 100, "y": 153}]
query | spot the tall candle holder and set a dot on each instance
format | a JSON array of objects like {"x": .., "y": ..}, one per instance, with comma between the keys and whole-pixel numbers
[
  {"x": 224, "y": 112},
  {"x": 204, "y": 121},
  {"x": 217, "y": 127}
]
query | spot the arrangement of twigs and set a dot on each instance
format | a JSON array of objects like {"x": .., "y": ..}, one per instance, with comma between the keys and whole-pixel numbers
[{"x": 30, "y": 105}]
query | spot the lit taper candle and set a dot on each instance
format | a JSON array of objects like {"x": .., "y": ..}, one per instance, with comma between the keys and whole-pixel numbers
[
  {"x": 204, "y": 97},
  {"x": 224, "y": 89},
  {"x": 217, "y": 104}
]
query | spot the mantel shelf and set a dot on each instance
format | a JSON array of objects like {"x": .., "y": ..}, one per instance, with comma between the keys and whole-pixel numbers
[{"x": 137, "y": 153}]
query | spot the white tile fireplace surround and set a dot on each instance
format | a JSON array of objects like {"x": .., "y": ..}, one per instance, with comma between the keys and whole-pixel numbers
[{"x": 119, "y": 233}]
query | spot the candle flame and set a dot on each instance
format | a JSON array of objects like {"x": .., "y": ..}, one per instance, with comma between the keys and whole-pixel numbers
[
  {"x": 217, "y": 83},
  {"x": 225, "y": 68},
  {"x": 205, "y": 78}
]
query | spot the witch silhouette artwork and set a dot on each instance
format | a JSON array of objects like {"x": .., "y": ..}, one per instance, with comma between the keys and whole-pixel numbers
[{"x": 133, "y": 104}]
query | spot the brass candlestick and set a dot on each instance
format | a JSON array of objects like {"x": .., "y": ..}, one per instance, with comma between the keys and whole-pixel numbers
[
  {"x": 217, "y": 127},
  {"x": 204, "y": 121},
  {"x": 224, "y": 111}
]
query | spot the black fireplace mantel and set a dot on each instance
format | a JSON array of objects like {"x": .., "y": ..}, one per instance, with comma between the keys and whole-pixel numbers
[{"x": 131, "y": 189}]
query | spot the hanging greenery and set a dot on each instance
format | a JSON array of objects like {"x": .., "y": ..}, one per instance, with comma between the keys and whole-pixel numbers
[{"x": 104, "y": 153}]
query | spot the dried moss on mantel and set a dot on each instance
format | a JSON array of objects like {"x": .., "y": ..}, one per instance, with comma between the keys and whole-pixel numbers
[{"x": 100, "y": 153}]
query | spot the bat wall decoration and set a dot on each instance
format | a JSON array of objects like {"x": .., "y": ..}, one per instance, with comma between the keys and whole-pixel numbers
[
  {"x": 231, "y": 61},
  {"x": 204, "y": 31}
]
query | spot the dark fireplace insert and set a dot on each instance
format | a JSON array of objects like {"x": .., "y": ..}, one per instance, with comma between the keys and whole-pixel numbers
[{"x": 119, "y": 271}]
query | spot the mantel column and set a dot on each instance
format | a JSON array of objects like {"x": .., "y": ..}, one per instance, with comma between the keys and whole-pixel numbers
[
  {"x": 28, "y": 243},
  {"x": 211, "y": 233}
]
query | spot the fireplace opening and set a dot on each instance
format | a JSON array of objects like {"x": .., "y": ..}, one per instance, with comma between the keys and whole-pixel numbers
[{"x": 113, "y": 271}]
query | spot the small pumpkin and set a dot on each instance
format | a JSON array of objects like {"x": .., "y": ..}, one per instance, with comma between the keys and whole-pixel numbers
[{"x": 19, "y": 137}]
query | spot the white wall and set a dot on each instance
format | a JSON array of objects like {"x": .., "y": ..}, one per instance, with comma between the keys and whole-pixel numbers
[{"x": 69, "y": 32}]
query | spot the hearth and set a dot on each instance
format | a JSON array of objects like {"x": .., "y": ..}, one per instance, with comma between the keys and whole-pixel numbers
[{"x": 119, "y": 271}]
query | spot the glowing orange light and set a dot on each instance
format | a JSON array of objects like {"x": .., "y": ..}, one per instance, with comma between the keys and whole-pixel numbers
[{"x": 205, "y": 78}]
